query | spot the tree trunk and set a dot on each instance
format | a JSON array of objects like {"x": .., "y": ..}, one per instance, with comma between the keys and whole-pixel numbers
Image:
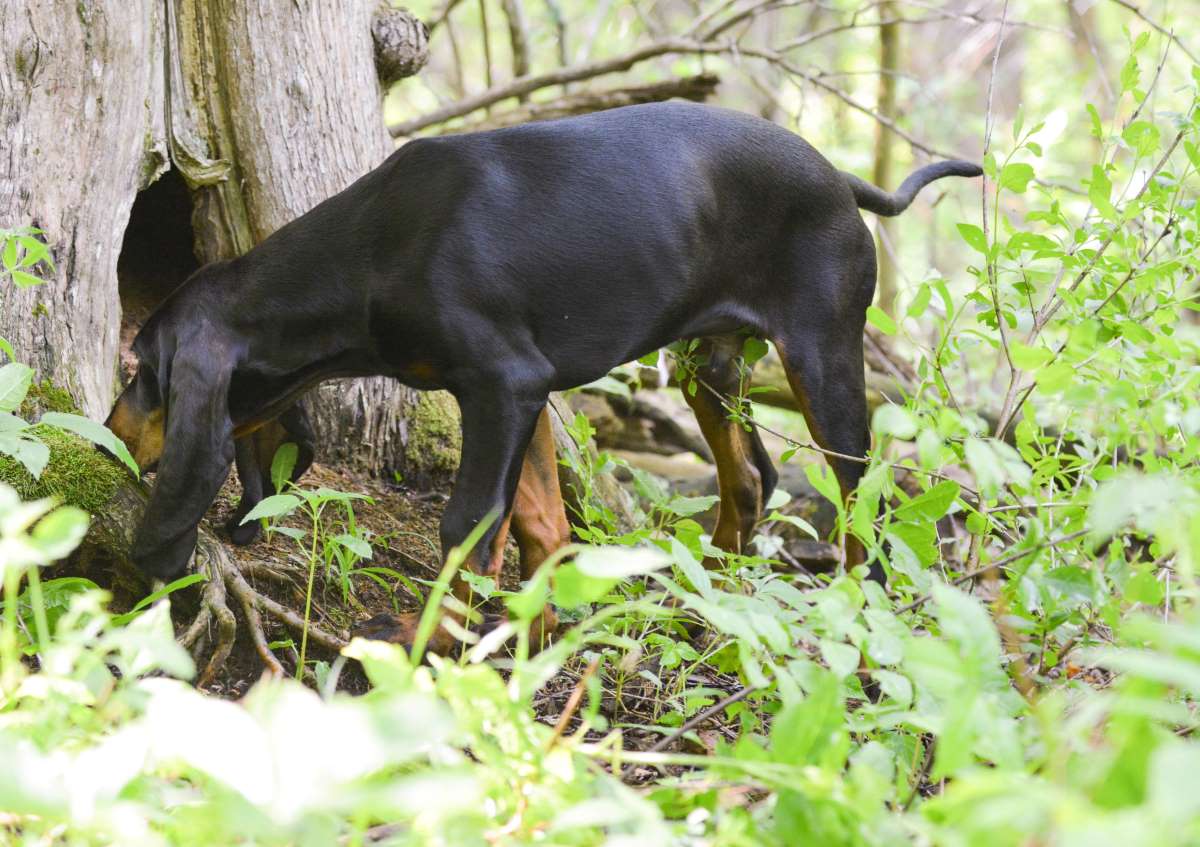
[
  {"x": 287, "y": 95},
  {"x": 81, "y": 93},
  {"x": 889, "y": 48},
  {"x": 265, "y": 109}
]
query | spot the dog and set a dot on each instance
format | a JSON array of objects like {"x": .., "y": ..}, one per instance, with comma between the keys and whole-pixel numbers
[{"x": 507, "y": 264}]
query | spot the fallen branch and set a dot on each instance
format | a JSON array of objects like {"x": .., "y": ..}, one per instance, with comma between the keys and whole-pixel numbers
[
  {"x": 696, "y": 88},
  {"x": 695, "y": 721}
]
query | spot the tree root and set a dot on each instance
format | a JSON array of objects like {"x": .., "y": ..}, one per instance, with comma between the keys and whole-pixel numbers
[
  {"x": 226, "y": 581},
  {"x": 214, "y": 628}
]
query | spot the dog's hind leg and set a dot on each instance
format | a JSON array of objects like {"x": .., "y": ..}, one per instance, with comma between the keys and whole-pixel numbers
[
  {"x": 745, "y": 475},
  {"x": 246, "y": 459},
  {"x": 539, "y": 518},
  {"x": 823, "y": 357}
]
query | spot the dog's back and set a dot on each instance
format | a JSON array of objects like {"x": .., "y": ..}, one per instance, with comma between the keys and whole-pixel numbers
[{"x": 626, "y": 228}]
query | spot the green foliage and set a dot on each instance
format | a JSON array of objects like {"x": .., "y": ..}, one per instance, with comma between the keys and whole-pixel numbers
[
  {"x": 74, "y": 473},
  {"x": 1051, "y": 438},
  {"x": 26, "y": 445}
]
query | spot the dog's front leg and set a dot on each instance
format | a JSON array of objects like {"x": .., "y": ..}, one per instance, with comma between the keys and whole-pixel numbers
[
  {"x": 196, "y": 458},
  {"x": 498, "y": 420}
]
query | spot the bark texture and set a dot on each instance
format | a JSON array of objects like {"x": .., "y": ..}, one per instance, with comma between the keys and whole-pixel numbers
[
  {"x": 889, "y": 49},
  {"x": 279, "y": 107},
  {"x": 82, "y": 126}
]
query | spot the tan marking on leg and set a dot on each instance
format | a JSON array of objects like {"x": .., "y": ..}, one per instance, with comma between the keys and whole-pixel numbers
[
  {"x": 539, "y": 518},
  {"x": 738, "y": 480}
]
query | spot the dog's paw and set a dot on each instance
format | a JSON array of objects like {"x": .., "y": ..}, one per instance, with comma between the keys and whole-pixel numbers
[
  {"x": 240, "y": 533},
  {"x": 394, "y": 629}
]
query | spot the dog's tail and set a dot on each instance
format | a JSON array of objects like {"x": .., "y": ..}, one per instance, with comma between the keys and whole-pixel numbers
[{"x": 875, "y": 199}]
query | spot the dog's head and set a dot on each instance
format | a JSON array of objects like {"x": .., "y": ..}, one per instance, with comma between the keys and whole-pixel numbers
[{"x": 139, "y": 416}]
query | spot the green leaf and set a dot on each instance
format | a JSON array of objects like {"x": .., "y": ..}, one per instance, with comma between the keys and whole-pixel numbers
[
  {"x": 822, "y": 479},
  {"x": 921, "y": 302},
  {"x": 1130, "y": 74},
  {"x": 31, "y": 453},
  {"x": 26, "y": 280},
  {"x": 1143, "y": 137},
  {"x": 798, "y": 522},
  {"x": 894, "y": 685},
  {"x": 897, "y": 421},
  {"x": 989, "y": 473},
  {"x": 60, "y": 532},
  {"x": 150, "y": 599},
  {"x": 1028, "y": 358},
  {"x": 358, "y": 546},
  {"x": 35, "y": 251},
  {"x": 574, "y": 588},
  {"x": 96, "y": 433},
  {"x": 15, "y": 379},
  {"x": 610, "y": 385},
  {"x": 621, "y": 562},
  {"x": 282, "y": 464},
  {"x": 880, "y": 320},
  {"x": 753, "y": 349},
  {"x": 930, "y": 505},
  {"x": 273, "y": 506},
  {"x": 974, "y": 237},
  {"x": 1099, "y": 191},
  {"x": 803, "y": 731},
  {"x": 842, "y": 658},
  {"x": 10, "y": 253},
  {"x": 688, "y": 506},
  {"x": 1016, "y": 176}
]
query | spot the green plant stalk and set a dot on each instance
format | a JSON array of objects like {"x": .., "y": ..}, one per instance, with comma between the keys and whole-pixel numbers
[
  {"x": 308, "y": 590},
  {"x": 41, "y": 625},
  {"x": 8, "y": 644},
  {"x": 454, "y": 561}
]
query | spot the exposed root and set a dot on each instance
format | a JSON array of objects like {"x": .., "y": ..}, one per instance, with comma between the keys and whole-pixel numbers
[
  {"x": 227, "y": 579},
  {"x": 242, "y": 590},
  {"x": 210, "y": 555}
]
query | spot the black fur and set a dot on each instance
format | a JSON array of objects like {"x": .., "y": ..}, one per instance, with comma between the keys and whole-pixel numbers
[{"x": 504, "y": 265}]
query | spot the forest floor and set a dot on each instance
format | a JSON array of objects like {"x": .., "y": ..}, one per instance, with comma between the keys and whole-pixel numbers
[{"x": 402, "y": 525}]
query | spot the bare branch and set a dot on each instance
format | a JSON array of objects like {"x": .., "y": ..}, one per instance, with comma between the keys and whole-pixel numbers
[
  {"x": 991, "y": 566},
  {"x": 518, "y": 37},
  {"x": 662, "y": 47},
  {"x": 696, "y": 88},
  {"x": 442, "y": 14},
  {"x": 1125, "y": 4}
]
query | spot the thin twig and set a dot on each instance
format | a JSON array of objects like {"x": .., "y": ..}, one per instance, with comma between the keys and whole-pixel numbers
[
  {"x": 1125, "y": 4},
  {"x": 696, "y": 720},
  {"x": 528, "y": 84},
  {"x": 999, "y": 563},
  {"x": 572, "y": 702}
]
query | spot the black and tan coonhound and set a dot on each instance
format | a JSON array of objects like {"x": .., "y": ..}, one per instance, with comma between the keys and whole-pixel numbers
[{"x": 505, "y": 265}]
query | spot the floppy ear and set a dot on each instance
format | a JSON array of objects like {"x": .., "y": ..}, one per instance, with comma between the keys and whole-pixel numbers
[{"x": 197, "y": 454}]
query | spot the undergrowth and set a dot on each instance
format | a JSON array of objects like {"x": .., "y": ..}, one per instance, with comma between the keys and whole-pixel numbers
[{"x": 1028, "y": 675}]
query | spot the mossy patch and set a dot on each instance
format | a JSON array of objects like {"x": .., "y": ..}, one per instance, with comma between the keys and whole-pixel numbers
[
  {"x": 434, "y": 437},
  {"x": 76, "y": 474},
  {"x": 45, "y": 396}
]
